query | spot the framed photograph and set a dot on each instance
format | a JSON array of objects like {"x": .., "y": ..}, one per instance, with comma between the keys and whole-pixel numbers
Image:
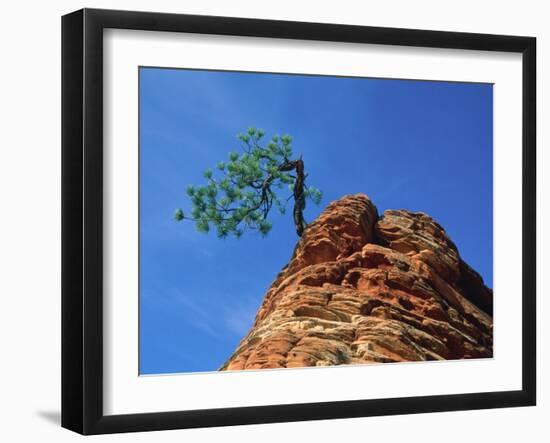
[{"x": 269, "y": 221}]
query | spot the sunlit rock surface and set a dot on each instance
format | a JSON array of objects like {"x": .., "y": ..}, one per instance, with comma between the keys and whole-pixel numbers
[{"x": 364, "y": 288}]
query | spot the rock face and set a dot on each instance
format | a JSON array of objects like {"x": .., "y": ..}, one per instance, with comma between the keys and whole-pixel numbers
[{"x": 365, "y": 289}]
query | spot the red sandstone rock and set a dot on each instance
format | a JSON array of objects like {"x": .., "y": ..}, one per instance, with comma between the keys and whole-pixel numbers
[{"x": 364, "y": 289}]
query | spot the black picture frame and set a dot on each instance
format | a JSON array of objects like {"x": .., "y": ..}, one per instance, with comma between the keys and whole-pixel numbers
[{"x": 82, "y": 218}]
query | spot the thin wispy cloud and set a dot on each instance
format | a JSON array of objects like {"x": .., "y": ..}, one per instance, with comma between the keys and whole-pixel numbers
[{"x": 239, "y": 318}]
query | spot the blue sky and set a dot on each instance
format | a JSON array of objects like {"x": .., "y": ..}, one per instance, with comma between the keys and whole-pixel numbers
[{"x": 422, "y": 146}]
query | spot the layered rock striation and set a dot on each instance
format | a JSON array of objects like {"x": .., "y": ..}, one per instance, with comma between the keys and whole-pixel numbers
[{"x": 361, "y": 288}]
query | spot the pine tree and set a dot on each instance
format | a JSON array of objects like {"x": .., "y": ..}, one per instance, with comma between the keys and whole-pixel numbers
[{"x": 239, "y": 195}]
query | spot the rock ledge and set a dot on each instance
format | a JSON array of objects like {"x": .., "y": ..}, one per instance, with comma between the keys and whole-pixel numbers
[{"x": 366, "y": 289}]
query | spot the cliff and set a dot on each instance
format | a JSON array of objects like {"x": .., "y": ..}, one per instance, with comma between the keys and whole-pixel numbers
[{"x": 361, "y": 288}]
